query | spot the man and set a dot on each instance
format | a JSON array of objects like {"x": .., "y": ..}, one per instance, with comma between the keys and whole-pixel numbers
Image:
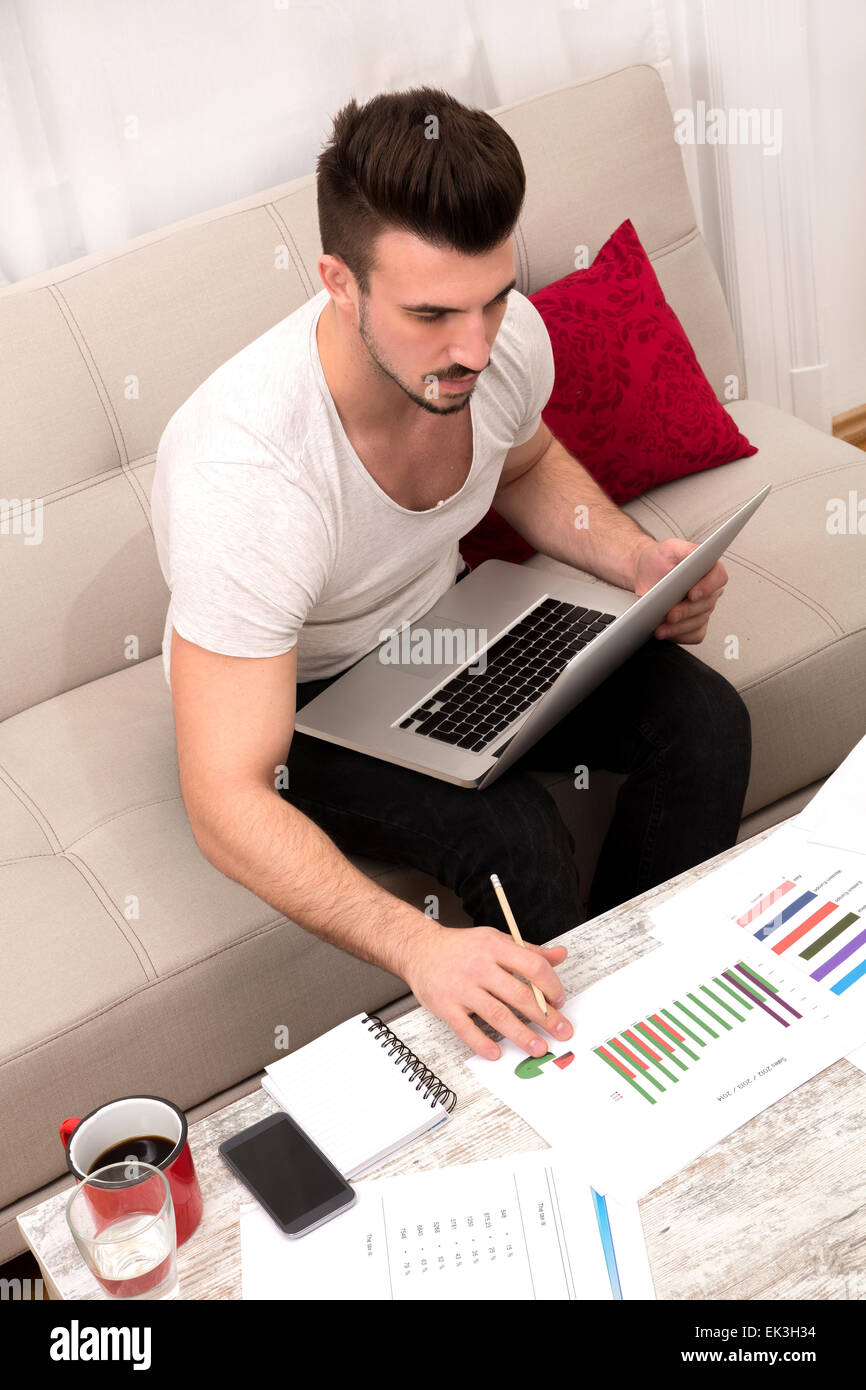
[{"x": 309, "y": 497}]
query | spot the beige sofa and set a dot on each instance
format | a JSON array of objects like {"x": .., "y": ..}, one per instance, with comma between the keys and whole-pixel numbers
[{"x": 130, "y": 963}]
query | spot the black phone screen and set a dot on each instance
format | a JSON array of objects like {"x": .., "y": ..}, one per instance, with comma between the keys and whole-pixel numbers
[{"x": 285, "y": 1169}]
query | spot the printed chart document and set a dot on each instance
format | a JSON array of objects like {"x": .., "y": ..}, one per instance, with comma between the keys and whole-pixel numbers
[
  {"x": 803, "y": 902},
  {"x": 800, "y": 901},
  {"x": 523, "y": 1227},
  {"x": 671, "y": 1054}
]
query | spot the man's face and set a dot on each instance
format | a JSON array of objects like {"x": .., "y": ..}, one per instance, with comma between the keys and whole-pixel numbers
[{"x": 431, "y": 316}]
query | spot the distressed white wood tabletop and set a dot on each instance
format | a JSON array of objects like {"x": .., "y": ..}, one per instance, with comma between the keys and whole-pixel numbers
[{"x": 777, "y": 1210}]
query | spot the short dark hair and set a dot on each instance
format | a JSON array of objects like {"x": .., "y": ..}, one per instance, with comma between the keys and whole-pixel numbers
[{"x": 463, "y": 189}]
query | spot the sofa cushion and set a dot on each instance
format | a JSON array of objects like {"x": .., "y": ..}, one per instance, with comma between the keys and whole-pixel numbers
[{"x": 630, "y": 400}]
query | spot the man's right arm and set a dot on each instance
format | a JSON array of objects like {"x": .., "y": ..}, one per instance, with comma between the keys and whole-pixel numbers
[{"x": 234, "y": 721}]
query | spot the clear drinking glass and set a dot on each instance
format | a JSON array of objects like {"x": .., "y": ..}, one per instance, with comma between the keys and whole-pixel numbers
[{"x": 122, "y": 1219}]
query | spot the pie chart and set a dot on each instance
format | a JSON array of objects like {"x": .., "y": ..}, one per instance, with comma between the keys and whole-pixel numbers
[{"x": 531, "y": 1066}]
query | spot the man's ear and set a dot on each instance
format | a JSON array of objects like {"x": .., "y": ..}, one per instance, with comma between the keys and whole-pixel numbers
[{"x": 340, "y": 283}]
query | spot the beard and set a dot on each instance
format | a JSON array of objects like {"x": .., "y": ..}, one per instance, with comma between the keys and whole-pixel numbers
[{"x": 431, "y": 406}]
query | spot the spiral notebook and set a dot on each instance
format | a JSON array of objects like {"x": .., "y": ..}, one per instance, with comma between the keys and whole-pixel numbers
[{"x": 359, "y": 1093}]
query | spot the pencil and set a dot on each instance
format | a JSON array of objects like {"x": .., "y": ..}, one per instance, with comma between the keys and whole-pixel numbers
[{"x": 515, "y": 932}]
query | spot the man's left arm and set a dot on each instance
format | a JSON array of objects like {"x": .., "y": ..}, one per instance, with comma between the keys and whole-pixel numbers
[{"x": 554, "y": 503}]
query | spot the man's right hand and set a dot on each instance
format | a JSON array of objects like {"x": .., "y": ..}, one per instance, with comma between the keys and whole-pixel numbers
[{"x": 458, "y": 971}]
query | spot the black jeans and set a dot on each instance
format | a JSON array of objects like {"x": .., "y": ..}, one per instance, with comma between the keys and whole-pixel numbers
[{"x": 677, "y": 728}]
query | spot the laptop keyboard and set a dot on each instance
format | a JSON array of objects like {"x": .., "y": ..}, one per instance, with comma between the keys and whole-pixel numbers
[{"x": 472, "y": 710}]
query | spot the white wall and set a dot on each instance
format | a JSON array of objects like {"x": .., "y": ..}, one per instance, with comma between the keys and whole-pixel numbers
[
  {"x": 121, "y": 116},
  {"x": 837, "y": 66},
  {"x": 735, "y": 46}
]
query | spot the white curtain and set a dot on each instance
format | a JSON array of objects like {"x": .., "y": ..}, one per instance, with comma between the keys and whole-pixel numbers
[{"x": 121, "y": 116}]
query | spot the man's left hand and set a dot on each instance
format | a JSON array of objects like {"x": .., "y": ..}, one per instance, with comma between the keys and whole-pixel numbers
[{"x": 687, "y": 621}]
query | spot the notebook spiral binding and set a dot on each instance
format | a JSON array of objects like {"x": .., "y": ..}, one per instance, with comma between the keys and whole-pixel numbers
[{"x": 425, "y": 1078}]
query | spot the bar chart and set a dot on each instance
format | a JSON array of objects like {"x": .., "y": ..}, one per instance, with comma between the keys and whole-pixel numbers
[
  {"x": 673, "y": 1051},
  {"x": 813, "y": 929},
  {"x": 800, "y": 902},
  {"x": 651, "y": 1055}
]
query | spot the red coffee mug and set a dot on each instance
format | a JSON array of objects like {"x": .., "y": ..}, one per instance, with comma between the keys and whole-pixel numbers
[{"x": 86, "y": 1139}]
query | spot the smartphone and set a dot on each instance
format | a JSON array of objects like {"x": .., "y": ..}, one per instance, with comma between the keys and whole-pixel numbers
[{"x": 292, "y": 1179}]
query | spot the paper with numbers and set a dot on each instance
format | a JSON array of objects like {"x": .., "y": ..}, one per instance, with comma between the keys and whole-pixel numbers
[{"x": 524, "y": 1227}]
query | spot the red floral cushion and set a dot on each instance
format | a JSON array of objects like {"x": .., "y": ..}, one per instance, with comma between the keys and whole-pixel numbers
[{"x": 629, "y": 399}]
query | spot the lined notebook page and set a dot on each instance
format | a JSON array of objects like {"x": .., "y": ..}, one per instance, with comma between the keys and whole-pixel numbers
[{"x": 352, "y": 1098}]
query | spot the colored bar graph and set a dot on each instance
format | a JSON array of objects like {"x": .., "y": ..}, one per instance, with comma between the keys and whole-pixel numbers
[
  {"x": 688, "y": 1032},
  {"x": 644, "y": 1073},
  {"x": 673, "y": 1057},
  {"x": 760, "y": 908},
  {"x": 829, "y": 936},
  {"x": 815, "y": 947},
  {"x": 722, "y": 1003},
  {"x": 670, "y": 1031},
  {"x": 784, "y": 916},
  {"x": 741, "y": 985},
  {"x": 699, "y": 1022},
  {"x": 657, "y": 1044},
  {"x": 629, "y": 1055},
  {"x": 848, "y": 980},
  {"x": 648, "y": 1052},
  {"x": 753, "y": 975},
  {"x": 743, "y": 1003},
  {"x": 702, "y": 1004},
  {"x": 606, "y": 1057},
  {"x": 793, "y": 937},
  {"x": 840, "y": 956},
  {"x": 666, "y": 1027}
]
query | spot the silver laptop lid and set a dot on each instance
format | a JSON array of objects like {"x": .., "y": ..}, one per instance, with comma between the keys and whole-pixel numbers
[{"x": 644, "y": 615}]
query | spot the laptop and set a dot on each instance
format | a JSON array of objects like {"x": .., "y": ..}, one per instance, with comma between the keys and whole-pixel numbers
[{"x": 464, "y": 691}]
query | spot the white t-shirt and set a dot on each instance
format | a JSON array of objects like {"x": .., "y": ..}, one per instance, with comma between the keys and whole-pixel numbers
[{"x": 270, "y": 531}]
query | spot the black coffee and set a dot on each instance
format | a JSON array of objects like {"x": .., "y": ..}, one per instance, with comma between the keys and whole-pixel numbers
[{"x": 146, "y": 1148}]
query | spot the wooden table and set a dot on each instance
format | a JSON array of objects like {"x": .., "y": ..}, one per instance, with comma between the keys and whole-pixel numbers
[{"x": 777, "y": 1210}]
